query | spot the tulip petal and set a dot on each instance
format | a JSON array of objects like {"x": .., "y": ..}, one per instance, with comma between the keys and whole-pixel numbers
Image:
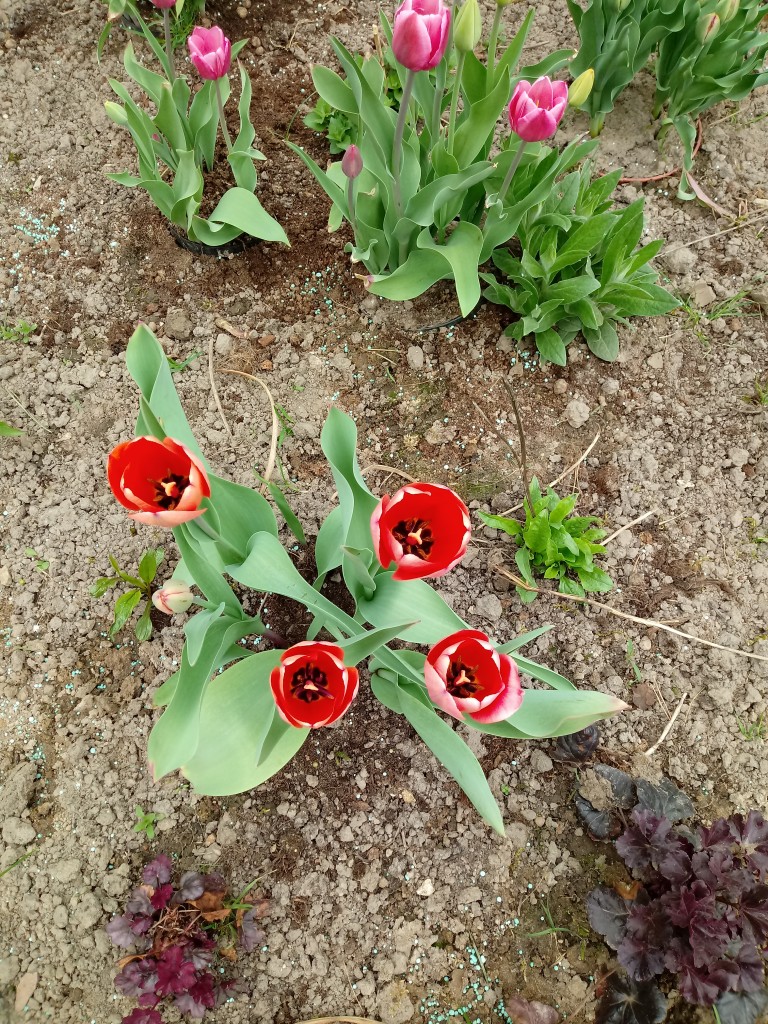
[
  {"x": 165, "y": 519},
  {"x": 541, "y": 92},
  {"x": 411, "y": 43}
]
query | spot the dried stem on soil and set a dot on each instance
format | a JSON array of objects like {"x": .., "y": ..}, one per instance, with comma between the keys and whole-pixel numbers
[
  {"x": 563, "y": 475},
  {"x": 667, "y": 728},
  {"x": 270, "y": 467},
  {"x": 653, "y": 623},
  {"x": 214, "y": 391},
  {"x": 628, "y": 526},
  {"x": 716, "y": 234}
]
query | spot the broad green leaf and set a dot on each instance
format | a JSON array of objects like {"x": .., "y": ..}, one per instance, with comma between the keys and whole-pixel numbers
[
  {"x": 386, "y": 691},
  {"x": 365, "y": 644},
  {"x": 536, "y": 533},
  {"x": 581, "y": 243},
  {"x": 542, "y": 673},
  {"x": 604, "y": 342},
  {"x": 422, "y": 269},
  {"x": 462, "y": 253},
  {"x": 102, "y": 585},
  {"x": 149, "y": 563},
  {"x": 333, "y": 89},
  {"x": 328, "y": 543},
  {"x": 338, "y": 440},
  {"x": 396, "y": 600},
  {"x": 595, "y": 582},
  {"x": 548, "y": 713},
  {"x": 356, "y": 566},
  {"x": 206, "y": 576},
  {"x": 124, "y": 606},
  {"x": 551, "y": 347},
  {"x": 238, "y": 211},
  {"x": 453, "y": 753},
  {"x": 569, "y": 586},
  {"x": 510, "y": 526},
  {"x": 143, "y": 628}
]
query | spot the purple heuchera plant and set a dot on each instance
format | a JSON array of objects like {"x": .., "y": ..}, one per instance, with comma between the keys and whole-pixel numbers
[
  {"x": 172, "y": 956},
  {"x": 702, "y": 911}
]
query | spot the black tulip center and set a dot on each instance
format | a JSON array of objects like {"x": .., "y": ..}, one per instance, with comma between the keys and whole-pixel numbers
[
  {"x": 309, "y": 683},
  {"x": 415, "y": 536},
  {"x": 462, "y": 680}
]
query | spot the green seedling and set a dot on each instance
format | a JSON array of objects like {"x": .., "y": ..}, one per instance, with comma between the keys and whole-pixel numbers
[
  {"x": 141, "y": 587},
  {"x": 759, "y": 394},
  {"x": 146, "y": 821},
  {"x": 178, "y": 366},
  {"x": 16, "y": 863},
  {"x": 19, "y": 331},
  {"x": 752, "y": 531},
  {"x": 555, "y": 544},
  {"x": 41, "y": 564},
  {"x": 753, "y": 730},
  {"x": 6, "y": 430},
  {"x": 630, "y": 656}
]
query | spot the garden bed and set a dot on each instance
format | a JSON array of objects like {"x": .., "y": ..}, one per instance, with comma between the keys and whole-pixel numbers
[{"x": 381, "y": 876}]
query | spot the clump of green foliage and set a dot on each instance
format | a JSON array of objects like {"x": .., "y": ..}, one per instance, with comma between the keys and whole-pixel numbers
[
  {"x": 140, "y": 587},
  {"x": 578, "y": 269},
  {"x": 555, "y": 544}
]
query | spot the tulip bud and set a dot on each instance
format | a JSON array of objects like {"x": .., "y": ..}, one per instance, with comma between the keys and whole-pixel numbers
[
  {"x": 352, "y": 162},
  {"x": 468, "y": 27},
  {"x": 727, "y": 9},
  {"x": 707, "y": 28},
  {"x": 174, "y": 598},
  {"x": 581, "y": 87},
  {"x": 620, "y": 5},
  {"x": 505, "y": 3},
  {"x": 163, "y": 5}
]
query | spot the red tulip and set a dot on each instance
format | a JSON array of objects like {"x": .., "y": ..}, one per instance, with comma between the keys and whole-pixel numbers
[
  {"x": 466, "y": 675},
  {"x": 161, "y": 482},
  {"x": 210, "y": 51},
  {"x": 312, "y": 686},
  {"x": 420, "y": 33},
  {"x": 424, "y": 528},
  {"x": 536, "y": 110}
]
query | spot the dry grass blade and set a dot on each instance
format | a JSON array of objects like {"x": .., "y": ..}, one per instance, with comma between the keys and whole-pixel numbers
[
  {"x": 653, "y": 623},
  {"x": 668, "y": 727},
  {"x": 563, "y": 475},
  {"x": 716, "y": 234},
  {"x": 214, "y": 392},
  {"x": 628, "y": 526},
  {"x": 387, "y": 469},
  {"x": 270, "y": 467}
]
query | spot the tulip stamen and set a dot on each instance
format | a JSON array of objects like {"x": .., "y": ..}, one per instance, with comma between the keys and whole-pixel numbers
[
  {"x": 462, "y": 681},
  {"x": 169, "y": 490},
  {"x": 415, "y": 536},
  {"x": 309, "y": 683}
]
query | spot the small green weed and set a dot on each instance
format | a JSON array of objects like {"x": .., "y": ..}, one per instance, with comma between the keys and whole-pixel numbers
[
  {"x": 16, "y": 863},
  {"x": 6, "y": 430},
  {"x": 146, "y": 821},
  {"x": 18, "y": 331},
  {"x": 41, "y": 564},
  {"x": 556, "y": 544},
  {"x": 751, "y": 731},
  {"x": 141, "y": 587},
  {"x": 759, "y": 394},
  {"x": 178, "y": 366},
  {"x": 630, "y": 656}
]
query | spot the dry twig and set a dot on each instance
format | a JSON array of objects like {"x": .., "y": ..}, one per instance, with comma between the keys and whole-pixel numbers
[
  {"x": 653, "y": 623},
  {"x": 563, "y": 475},
  {"x": 629, "y": 526},
  {"x": 214, "y": 392},
  {"x": 270, "y": 467},
  {"x": 667, "y": 728}
]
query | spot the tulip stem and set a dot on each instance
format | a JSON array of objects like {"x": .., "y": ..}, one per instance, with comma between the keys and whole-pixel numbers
[
  {"x": 441, "y": 74},
  {"x": 493, "y": 40},
  {"x": 511, "y": 172},
  {"x": 169, "y": 44},
  {"x": 455, "y": 100},
  {"x": 227, "y": 551},
  {"x": 397, "y": 146},
  {"x": 222, "y": 118},
  {"x": 351, "y": 206}
]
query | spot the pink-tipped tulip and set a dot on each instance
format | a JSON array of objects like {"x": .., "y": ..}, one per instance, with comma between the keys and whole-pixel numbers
[
  {"x": 536, "y": 110},
  {"x": 163, "y": 5},
  {"x": 352, "y": 162},
  {"x": 173, "y": 599},
  {"x": 211, "y": 52},
  {"x": 420, "y": 33}
]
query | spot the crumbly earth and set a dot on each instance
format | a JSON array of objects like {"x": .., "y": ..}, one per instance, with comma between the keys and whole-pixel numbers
[{"x": 380, "y": 875}]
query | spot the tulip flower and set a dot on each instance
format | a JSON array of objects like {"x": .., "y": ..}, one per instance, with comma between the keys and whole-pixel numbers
[
  {"x": 312, "y": 686},
  {"x": 581, "y": 87},
  {"x": 211, "y": 53},
  {"x": 163, "y": 5},
  {"x": 420, "y": 33},
  {"x": 466, "y": 675},
  {"x": 536, "y": 110},
  {"x": 707, "y": 28},
  {"x": 174, "y": 598},
  {"x": 423, "y": 528},
  {"x": 161, "y": 482},
  {"x": 419, "y": 38}
]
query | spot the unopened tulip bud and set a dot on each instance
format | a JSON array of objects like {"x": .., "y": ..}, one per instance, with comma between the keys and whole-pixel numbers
[
  {"x": 174, "y": 598},
  {"x": 707, "y": 28},
  {"x": 352, "y": 162},
  {"x": 727, "y": 9},
  {"x": 581, "y": 87},
  {"x": 620, "y": 5},
  {"x": 468, "y": 27}
]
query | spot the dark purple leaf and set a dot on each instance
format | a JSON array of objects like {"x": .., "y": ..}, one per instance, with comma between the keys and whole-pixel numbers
[
  {"x": 752, "y": 836},
  {"x": 608, "y": 913},
  {"x": 664, "y": 800},
  {"x": 191, "y": 887},
  {"x": 143, "y": 1017},
  {"x": 137, "y": 978},
  {"x": 214, "y": 882},
  {"x": 199, "y": 998},
  {"x": 722, "y": 873},
  {"x": 250, "y": 934},
  {"x": 644, "y": 947},
  {"x": 646, "y": 843},
  {"x": 717, "y": 837},
  {"x": 158, "y": 871},
  {"x": 140, "y": 924},
  {"x": 750, "y": 969},
  {"x": 200, "y": 950},
  {"x": 160, "y": 896},
  {"x": 606, "y": 824},
  {"x": 695, "y": 983},
  {"x": 675, "y": 863},
  {"x": 708, "y": 936},
  {"x": 140, "y": 903},
  {"x": 600, "y": 824},
  {"x": 120, "y": 932},
  {"x": 627, "y": 1002},
  {"x": 622, "y": 785},
  {"x": 753, "y": 911},
  {"x": 682, "y": 904},
  {"x": 740, "y": 1008},
  {"x": 174, "y": 973}
]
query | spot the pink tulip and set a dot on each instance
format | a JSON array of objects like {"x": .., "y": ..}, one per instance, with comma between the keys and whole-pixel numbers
[
  {"x": 352, "y": 162},
  {"x": 211, "y": 52},
  {"x": 420, "y": 33},
  {"x": 536, "y": 110},
  {"x": 164, "y": 5}
]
